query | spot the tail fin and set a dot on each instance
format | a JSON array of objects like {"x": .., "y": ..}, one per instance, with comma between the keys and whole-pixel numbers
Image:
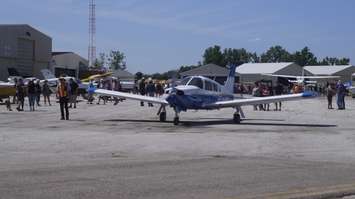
[
  {"x": 47, "y": 74},
  {"x": 229, "y": 84}
]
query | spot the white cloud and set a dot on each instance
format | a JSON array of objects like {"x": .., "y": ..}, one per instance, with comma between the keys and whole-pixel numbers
[{"x": 256, "y": 39}]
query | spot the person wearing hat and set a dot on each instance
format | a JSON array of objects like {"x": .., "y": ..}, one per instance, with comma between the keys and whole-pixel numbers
[{"x": 62, "y": 94}]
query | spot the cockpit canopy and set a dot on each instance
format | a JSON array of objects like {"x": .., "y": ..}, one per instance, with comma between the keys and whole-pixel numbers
[{"x": 202, "y": 83}]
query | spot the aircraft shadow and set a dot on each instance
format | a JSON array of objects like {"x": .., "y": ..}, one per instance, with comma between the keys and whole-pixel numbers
[{"x": 228, "y": 121}]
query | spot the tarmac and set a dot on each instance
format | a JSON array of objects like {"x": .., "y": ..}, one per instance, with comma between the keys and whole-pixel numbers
[{"x": 123, "y": 151}]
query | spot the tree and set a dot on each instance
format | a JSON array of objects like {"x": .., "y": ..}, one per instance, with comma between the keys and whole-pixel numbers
[
  {"x": 116, "y": 60},
  {"x": 334, "y": 61},
  {"x": 100, "y": 63},
  {"x": 213, "y": 55},
  {"x": 236, "y": 56},
  {"x": 276, "y": 54},
  {"x": 254, "y": 58},
  {"x": 304, "y": 57},
  {"x": 138, "y": 75}
]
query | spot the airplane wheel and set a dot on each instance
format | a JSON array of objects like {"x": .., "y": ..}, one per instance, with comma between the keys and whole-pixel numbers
[
  {"x": 236, "y": 118},
  {"x": 176, "y": 121},
  {"x": 162, "y": 116}
]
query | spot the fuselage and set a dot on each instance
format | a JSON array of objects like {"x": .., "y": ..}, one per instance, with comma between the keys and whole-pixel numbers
[
  {"x": 7, "y": 89},
  {"x": 196, "y": 92}
]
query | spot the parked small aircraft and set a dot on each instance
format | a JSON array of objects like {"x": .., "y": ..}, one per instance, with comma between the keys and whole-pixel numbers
[
  {"x": 303, "y": 79},
  {"x": 7, "y": 89},
  {"x": 201, "y": 93},
  {"x": 97, "y": 76}
]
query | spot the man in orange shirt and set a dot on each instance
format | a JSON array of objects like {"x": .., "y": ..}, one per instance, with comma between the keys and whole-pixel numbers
[{"x": 62, "y": 94}]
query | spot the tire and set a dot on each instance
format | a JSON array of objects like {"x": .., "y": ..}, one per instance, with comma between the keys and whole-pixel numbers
[
  {"x": 176, "y": 121},
  {"x": 236, "y": 118},
  {"x": 162, "y": 116}
]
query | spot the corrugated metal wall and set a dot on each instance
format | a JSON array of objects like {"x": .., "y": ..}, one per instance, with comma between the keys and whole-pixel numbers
[{"x": 25, "y": 56}]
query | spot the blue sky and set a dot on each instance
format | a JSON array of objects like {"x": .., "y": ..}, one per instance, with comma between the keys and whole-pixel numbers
[{"x": 159, "y": 35}]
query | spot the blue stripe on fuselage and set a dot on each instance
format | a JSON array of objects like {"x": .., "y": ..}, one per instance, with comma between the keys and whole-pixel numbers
[{"x": 184, "y": 102}]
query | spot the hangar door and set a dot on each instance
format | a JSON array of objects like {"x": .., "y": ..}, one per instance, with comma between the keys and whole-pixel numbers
[{"x": 25, "y": 56}]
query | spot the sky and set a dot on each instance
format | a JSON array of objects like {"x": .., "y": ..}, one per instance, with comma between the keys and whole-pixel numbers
[{"x": 160, "y": 35}]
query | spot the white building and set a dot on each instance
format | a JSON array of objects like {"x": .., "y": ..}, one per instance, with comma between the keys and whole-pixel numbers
[
  {"x": 252, "y": 72},
  {"x": 344, "y": 71}
]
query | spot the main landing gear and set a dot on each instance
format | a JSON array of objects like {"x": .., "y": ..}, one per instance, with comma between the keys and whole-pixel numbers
[
  {"x": 236, "y": 115},
  {"x": 236, "y": 118},
  {"x": 162, "y": 114}
]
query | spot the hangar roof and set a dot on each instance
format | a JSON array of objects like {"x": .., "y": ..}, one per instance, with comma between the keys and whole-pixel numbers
[
  {"x": 259, "y": 68},
  {"x": 326, "y": 70},
  {"x": 207, "y": 70}
]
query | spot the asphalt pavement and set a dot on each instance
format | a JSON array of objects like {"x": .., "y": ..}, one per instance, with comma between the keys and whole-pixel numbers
[{"x": 122, "y": 151}]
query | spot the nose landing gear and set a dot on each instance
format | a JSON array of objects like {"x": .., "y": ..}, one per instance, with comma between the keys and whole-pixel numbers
[
  {"x": 176, "y": 118},
  {"x": 176, "y": 121}
]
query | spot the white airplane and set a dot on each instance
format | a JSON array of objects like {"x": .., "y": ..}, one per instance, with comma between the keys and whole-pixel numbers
[
  {"x": 201, "y": 93},
  {"x": 51, "y": 79},
  {"x": 302, "y": 79}
]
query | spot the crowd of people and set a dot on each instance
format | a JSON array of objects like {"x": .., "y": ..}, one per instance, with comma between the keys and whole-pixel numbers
[
  {"x": 336, "y": 89},
  {"x": 151, "y": 89},
  {"x": 67, "y": 93},
  {"x": 262, "y": 90}
]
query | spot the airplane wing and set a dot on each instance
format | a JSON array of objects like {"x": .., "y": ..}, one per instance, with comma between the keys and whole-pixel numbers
[
  {"x": 304, "y": 77},
  {"x": 132, "y": 96},
  {"x": 286, "y": 76},
  {"x": 261, "y": 100},
  {"x": 320, "y": 77}
]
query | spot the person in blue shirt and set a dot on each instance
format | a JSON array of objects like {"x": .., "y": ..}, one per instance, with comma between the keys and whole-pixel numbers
[
  {"x": 91, "y": 89},
  {"x": 341, "y": 92}
]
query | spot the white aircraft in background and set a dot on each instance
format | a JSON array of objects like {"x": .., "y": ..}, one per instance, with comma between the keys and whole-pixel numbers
[
  {"x": 51, "y": 79},
  {"x": 303, "y": 79},
  {"x": 201, "y": 93},
  {"x": 8, "y": 88}
]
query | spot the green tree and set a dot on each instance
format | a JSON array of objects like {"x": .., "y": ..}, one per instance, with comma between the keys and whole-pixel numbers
[
  {"x": 334, "y": 61},
  {"x": 304, "y": 57},
  {"x": 254, "y": 58},
  {"x": 116, "y": 60},
  {"x": 100, "y": 62},
  {"x": 276, "y": 54},
  {"x": 236, "y": 56},
  {"x": 138, "y": 75},
  {"x": 213, "y": 55}
]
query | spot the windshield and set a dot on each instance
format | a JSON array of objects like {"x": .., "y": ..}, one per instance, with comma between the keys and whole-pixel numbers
[
  {"x": 185, "y": 80},
  {"x": 196, "y": 82}
]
